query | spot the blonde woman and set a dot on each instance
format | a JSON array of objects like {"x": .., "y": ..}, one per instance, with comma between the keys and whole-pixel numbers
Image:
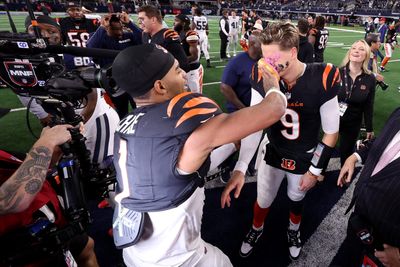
[{"x": 356, "y": 97}]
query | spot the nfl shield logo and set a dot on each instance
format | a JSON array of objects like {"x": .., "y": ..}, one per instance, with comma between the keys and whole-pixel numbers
[{"x": 21, "y": 73}]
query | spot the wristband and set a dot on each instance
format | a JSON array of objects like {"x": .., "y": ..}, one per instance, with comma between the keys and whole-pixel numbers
[
  {"x": 321, "y": 157},
  {"x": 275, "y": 90}
]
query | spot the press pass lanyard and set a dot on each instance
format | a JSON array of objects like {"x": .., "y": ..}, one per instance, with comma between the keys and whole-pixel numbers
[{"x": 347, "y": 87}]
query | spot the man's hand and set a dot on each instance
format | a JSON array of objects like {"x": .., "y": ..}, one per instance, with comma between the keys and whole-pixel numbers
[
  {"x": 379, "y": 77},
  {"x": 124, "y": 17},
  {"x": 236, "y": 182},
  {"x": 105, "y": 21},
  {"x": 56, "y": 135},
  {"x": 347, "y": 171},
  {"x": 307, "y": 181},
  {"x": 390, "y": 256}
]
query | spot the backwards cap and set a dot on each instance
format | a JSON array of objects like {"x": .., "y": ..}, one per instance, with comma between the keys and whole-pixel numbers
[{"x": 136, "y": 68}]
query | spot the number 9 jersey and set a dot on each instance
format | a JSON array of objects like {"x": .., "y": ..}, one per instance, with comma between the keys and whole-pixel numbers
[
  {"x": 76, "y": 33},
  {"x": 312, "y": 102}
]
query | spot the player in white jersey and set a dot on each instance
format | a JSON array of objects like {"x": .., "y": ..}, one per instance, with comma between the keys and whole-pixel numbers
[
  {"x": 233, "y": 33},
  {"x": 200, "y": 25}
]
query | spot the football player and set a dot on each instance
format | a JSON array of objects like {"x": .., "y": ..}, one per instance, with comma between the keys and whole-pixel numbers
[
  {"x": 391, "y": 40},
  {"x": 162, "y": 153},
  {"x": 200, "y": 25},
  {"x": 150, "y": 21},
  {"x": 233, "y": 32},
  {"x": 318, "y": 37},
  {"x": 190, "y": 43},
  {"x": 75, "y": 31},
  {"x": 291, "y": 147}
]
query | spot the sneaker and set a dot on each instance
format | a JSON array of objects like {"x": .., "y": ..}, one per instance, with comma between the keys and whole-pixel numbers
[
  {"x": 234, "y": 55},
  {"x": 250, "y": 241},
  {"x": 228, "y": 55},
  {"x": 294, "y": 243},
  {"x": 208, "y": 64},
  {"x": 382, "y": 69}
]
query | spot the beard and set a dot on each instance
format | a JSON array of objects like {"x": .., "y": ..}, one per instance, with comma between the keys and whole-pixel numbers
[{"x": 178, "y": 27}]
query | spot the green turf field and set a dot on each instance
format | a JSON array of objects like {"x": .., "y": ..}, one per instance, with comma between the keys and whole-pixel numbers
[{"x": 14, "y": 134}]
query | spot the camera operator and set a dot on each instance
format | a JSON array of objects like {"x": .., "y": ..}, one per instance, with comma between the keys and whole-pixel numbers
[
  {"x": 374, "y": 43},
  {"x": 27, "y": 196},
  {"x": 110, "y": 35},
  {"x": 100, "y": 119}
]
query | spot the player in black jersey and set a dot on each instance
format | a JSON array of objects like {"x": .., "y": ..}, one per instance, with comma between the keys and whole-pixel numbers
[
  {"x": 291, "y": 146},
  {"x": 247, "y": 22},
  {"x": 162, "y": 152},
  {"x": 391, "y": 40},
  {"x": 150, "y": 22},
  {"x": 190, "y": 43},
  {"x": 318, "y": 37},
  {"x": 75, "y": 31}
]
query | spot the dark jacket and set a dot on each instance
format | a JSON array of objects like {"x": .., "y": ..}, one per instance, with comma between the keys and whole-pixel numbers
[
  {"x": 377, "y": 197},
  {"x": 306, "y": 50}
]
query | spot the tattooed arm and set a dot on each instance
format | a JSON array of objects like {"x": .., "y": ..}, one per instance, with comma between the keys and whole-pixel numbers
[{"x": 20, "y": 189}]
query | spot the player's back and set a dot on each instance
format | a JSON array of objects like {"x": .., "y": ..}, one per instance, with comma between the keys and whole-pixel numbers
[
  {"x": 321, "y": 40},
  {"x": 201, "y": 24}
]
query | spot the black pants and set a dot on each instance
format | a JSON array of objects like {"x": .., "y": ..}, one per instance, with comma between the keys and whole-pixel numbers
[
  {"x": 121, "y": 104},
  {"x": 224, "y": 44},
  {"x": 348, "y": 138}
]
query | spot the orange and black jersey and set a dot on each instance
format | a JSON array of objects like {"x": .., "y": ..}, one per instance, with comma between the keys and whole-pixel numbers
[
  {"x": 321, "y": 40},
  {"x": 298, "y": 130},
  {"x": 391, "y": 35},
  {"x": 170, "y": 40},
  {"x": 154, "y": 135},
  {"x": 76, "y": 32},
  {"x": 248, "y": 23}
]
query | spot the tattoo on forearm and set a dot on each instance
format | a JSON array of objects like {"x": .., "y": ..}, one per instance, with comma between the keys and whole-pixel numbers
[{"x": 30, "y": 176}]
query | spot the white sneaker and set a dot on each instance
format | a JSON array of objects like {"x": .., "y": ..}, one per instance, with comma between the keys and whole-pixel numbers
[{"x": 250, "y": 241}]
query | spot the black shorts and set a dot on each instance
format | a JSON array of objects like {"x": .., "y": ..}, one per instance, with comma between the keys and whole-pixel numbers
[{"x": 293, "y": 162}]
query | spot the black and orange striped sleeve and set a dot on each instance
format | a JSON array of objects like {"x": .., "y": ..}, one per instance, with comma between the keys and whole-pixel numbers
[{"x": 189, "y": 110}]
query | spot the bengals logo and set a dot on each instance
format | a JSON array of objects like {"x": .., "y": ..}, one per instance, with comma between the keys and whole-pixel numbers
[{"x": 288, "y": 164}]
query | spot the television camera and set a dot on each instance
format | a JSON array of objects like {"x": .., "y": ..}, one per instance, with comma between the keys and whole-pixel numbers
[{"x": 32, "y": 68}]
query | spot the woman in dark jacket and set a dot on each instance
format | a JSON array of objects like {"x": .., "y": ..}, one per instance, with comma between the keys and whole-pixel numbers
[{"x": 356, "y": 97}]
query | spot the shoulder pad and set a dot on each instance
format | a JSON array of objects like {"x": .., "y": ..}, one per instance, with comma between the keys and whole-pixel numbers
[
  {"x": 171, "y": 35},
  {"x": 330, "y": 76},
  {"x": 191, "y": 36},
  {"x": 190, "y": 110}
]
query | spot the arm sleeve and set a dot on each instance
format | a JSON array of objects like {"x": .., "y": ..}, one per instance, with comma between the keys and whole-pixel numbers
[
  {"x": 35, "y": 108},
  {"x": 96, "y": 40},
  {"x": 249, "y": 144},
  {"x": 222, "y": 25},
  {"x": 330, "y": 117},
  {"x": 369, "y": 107},
  {"x": 220, "y": 154}
]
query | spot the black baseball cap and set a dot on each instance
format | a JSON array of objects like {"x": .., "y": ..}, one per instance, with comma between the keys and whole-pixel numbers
[
  {"x": 136, "y": 68},
  {"x": 41, "y": 19},
  {"x": 72, "y": 4}
]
